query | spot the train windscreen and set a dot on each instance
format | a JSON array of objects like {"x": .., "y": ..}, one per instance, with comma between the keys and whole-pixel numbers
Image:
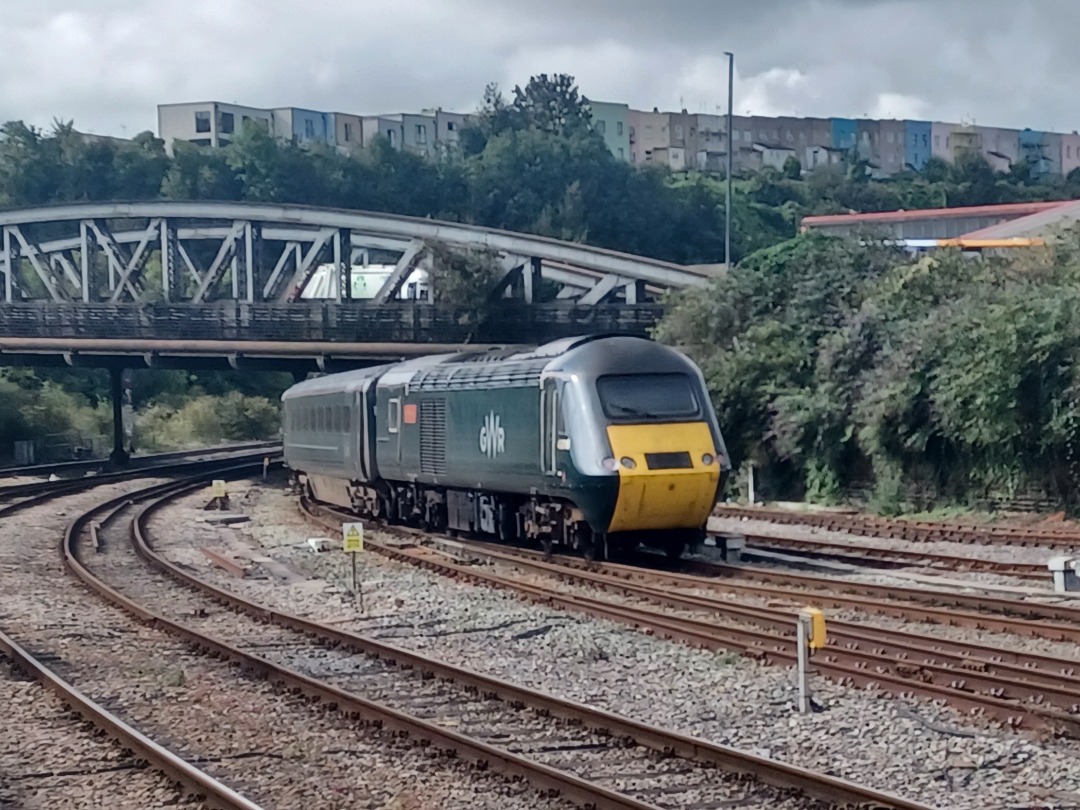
[{"x": 647, "y": 396}]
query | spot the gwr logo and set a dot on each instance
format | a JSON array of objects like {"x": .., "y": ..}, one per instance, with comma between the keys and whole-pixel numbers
[{"x": 492, "y": 436}]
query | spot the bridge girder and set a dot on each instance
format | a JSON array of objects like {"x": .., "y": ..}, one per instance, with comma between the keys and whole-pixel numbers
[{"x": 199, "y": 252}]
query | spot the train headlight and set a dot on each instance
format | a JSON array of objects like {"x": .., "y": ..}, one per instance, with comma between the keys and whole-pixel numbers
[
  {"x": 707, "y": 459},
  {"x": 608, "y": 464},
  {"x": 628, "y": 462}
]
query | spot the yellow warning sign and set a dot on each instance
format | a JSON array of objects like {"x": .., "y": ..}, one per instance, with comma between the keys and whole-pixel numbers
[
  {"x": 217, "y": 489},
  {"x": 353, "y": 536}
]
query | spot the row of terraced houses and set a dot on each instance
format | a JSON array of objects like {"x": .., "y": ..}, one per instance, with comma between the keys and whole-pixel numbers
[{"x": 678, "y": 140}]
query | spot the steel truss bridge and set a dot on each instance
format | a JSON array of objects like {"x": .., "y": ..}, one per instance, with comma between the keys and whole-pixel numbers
[
  {"x": 176, "y": 274},
  {"x": 192, "y": 285},
  {"x": 210, "y": 251}
]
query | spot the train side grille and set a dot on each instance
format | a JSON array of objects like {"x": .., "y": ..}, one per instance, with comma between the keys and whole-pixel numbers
[
  {"x": 433, "y": 436},
  {"x": 668, "y": 461}
]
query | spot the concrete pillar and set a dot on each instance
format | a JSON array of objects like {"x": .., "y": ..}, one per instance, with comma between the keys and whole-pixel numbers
[{"x": 119, "y": 455}]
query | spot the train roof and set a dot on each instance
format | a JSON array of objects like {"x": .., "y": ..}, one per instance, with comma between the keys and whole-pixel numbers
[{"x": 510, "y": 366}]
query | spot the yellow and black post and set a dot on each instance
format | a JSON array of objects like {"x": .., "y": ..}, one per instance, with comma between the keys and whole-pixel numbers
[{"x": 811, "y": 635}]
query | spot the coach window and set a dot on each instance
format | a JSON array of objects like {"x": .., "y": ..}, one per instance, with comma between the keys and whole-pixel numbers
[{"x": 393, "y": 415}]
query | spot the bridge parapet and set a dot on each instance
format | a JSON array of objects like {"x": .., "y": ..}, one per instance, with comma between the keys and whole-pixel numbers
[{"x": 405, "y": 322}]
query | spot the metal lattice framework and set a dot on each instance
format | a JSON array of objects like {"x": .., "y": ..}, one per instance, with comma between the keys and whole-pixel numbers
[{"x": 198, "y": 252}]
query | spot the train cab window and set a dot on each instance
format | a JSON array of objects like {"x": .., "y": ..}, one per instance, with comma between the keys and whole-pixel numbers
[{"x": 651, "y": 397}]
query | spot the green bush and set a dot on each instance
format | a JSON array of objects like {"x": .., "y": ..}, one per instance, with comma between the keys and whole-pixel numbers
[
  {"x": 206, "y": 420},
  {"x": 835, "y": 363}
]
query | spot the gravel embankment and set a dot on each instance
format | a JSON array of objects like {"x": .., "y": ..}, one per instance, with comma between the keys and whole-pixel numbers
[
  {"x": 915, "y": 748},
  {"x": 49, "y": 758},
  {"x": 278, "y": 749}
]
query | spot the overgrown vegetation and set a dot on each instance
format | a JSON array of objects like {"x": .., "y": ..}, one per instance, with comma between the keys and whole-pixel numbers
[
  {"x": 62, "y": 410},
  {"x": 206, "y": 420},
  {"x": 463, "y": 280},
  {"x": 939, "y": 380}
]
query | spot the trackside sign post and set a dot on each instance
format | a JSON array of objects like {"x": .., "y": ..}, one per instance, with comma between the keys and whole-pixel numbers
[{"x": 352, "y": 536}]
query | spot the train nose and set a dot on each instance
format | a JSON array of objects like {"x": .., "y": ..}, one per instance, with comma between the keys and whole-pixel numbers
[{"x": 668, "y": 475}]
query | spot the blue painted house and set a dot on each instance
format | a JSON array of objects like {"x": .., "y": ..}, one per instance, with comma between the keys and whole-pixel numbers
[{"x": 917, "y": 147}]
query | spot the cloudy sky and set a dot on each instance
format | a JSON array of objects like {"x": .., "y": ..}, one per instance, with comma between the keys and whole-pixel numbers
[{"x": 106, "y": 64}]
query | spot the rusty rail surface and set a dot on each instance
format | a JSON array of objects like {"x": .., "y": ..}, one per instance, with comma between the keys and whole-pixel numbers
[
  {"x": 856, "y": 654},
  {"x": 949, "y": 562},
  {"x": 701, "y": 573},
  {"x": 972, "y": 677},
  {"x": 40, "y": 491},
  {"x": 873, "y": 526},
  {"x": 201, "y": 784},
  {"x": 769, "y": 772}
]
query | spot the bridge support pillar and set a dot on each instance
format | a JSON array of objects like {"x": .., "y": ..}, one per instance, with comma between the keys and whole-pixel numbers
[{"x": 119, "y": 455}]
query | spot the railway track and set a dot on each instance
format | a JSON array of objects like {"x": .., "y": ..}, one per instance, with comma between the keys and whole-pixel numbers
[
  {"x": 977, "y": 606},
  {"x": 914, "y": 531},
  {"x": 185, "y": 462},
  {"x": 148, "y": 460},
  {"x": 276, "y": 747},
  {"x": 589, "y": 756},
  {"x": 1020, "y": 689},
  {"x": 860, "y": 555},
  {"x": 200, "y": 786}
]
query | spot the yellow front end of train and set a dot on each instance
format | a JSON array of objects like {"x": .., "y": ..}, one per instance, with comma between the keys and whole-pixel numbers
[{"x": 668, "y": 475}]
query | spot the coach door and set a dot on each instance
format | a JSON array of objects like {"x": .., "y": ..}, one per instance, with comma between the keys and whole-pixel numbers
[
  {"x": 549, "y": 426},
  {"x": 393, "y": 427},
  {"x": 359, "y": 429}
]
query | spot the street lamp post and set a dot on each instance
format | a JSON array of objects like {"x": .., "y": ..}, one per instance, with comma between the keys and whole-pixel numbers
[{"x": 730, "y": 164}]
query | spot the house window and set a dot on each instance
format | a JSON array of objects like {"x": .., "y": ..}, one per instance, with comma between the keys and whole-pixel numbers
[
  {"x": 421, "y": 133},
  {"x": 937, "y": 140},
  {"x": 747, "y": 136},
  {"x": 925, "y": 140},
  {"x": 309, "y": 128},
  {"x": 618, "y": 128},
  {"x": 621, "y": 153},
  {"x": 202, "y": 121},
  {"x": 633, "y": 157},
  {"x": 889, "y": 137},
  {"x": 348, "y": 132},
  {"x": 227, "y": 125},
  {"x": 735, "y": 135},
  {"x": 1068, "y": 151},
  {"x": 789, "y": 135},
  {"x": 601, "y": 127},
  {"x": 392, "y": 135},
  {"x": 449, "y": 126}
]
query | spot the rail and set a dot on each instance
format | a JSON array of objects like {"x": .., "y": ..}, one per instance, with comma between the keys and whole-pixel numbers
[{"x": 770, "y": 772}]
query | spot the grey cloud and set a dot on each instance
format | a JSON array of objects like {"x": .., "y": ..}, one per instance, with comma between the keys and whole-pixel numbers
[{"x": 108, "y": 64}]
